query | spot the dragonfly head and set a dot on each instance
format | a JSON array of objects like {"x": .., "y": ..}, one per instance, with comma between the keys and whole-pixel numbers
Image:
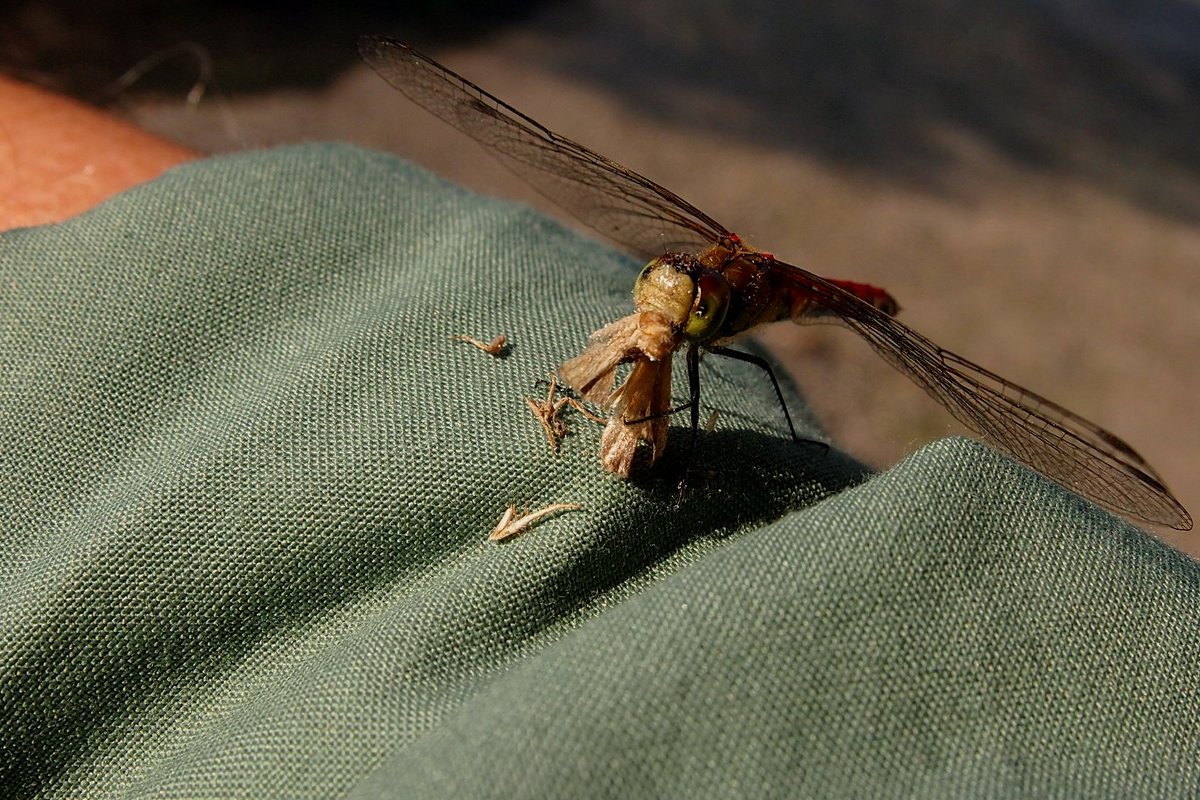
[{"x": 692, "y": 297}]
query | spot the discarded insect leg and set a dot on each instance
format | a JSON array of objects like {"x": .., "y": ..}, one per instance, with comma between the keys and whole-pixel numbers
[
  {"x": 507, "y": 526},
  {"x": 498, "y": 347},
  {"x": 762, "y": 364},
  {"x": 546, "y": 412},
  {"x": 574, "y": 403}
]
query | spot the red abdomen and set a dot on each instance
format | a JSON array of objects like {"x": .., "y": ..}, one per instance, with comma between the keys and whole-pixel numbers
[{"x": 871, "y": 294}]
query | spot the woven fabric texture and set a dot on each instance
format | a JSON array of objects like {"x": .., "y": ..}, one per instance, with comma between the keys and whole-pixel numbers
[{"x": 246, "y": 478}]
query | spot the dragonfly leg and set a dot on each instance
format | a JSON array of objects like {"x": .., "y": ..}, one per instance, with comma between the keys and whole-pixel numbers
[
  {"x": 659, "y": 415},
  {"x": 762, "y": 364},
  {"x": 693, "y": 373}
]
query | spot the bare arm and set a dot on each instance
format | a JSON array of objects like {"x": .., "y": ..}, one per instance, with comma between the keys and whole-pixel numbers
[{"x": 59, "y": 157}]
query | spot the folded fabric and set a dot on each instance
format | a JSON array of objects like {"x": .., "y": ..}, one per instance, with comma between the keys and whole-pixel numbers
[{"x": 246, "y": 479}]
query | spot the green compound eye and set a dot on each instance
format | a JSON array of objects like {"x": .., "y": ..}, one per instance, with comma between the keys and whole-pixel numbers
[{"x": 709, "y": 309}]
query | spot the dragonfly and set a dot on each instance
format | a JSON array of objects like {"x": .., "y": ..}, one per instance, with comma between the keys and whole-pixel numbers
[{"x": 703, "y": 287}]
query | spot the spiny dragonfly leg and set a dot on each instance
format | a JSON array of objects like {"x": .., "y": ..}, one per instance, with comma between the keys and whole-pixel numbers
[
  {"x": 762, "y": 364},
  {"x": 693, "y": 370},
  {"x": 659, "y": 415},
  {"x": 693, "y": 373}
]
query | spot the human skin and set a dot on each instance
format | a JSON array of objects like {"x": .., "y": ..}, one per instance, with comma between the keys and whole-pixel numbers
[{"x": 59, "y": 157}]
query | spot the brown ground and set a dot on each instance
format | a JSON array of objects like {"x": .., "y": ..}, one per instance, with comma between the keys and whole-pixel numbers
[{"x": 1031, "y": 199}]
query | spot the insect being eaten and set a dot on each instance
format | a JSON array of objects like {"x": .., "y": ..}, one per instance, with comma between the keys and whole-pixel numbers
[{"x": 704, "y": 287}]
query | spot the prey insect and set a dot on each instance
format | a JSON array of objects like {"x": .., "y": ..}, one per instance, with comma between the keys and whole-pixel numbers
[{"x": 704, "y": 287}]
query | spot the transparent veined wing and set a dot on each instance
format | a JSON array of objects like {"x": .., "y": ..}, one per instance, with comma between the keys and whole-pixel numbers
[
  {"x": 1058, "y": 443},
  {"x": 612, "y": 200}
]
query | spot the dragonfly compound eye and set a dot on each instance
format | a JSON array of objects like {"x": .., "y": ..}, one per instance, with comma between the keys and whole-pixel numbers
[{"x": 708, "y": 308}]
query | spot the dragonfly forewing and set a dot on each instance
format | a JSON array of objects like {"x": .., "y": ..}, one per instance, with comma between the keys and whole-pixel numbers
[{"x": 615, "y": 201}]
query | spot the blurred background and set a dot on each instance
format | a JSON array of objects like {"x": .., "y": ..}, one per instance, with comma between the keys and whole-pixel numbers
[{"x": 1023, "y": 175}]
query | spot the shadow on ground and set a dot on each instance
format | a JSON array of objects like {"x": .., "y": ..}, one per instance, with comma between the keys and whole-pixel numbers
[
  {"x": 880, "y": 84},
  {"x": 1108, "y": 91}
]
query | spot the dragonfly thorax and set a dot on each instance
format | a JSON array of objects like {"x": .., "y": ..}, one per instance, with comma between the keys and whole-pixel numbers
[{"x": 691, "y": 297}]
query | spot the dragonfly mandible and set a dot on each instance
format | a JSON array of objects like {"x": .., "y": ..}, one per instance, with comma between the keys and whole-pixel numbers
[{"x": 704, "y": 287}]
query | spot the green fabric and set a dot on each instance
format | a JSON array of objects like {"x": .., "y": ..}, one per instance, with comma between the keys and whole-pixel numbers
[{"x": 246, "y": 479}]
